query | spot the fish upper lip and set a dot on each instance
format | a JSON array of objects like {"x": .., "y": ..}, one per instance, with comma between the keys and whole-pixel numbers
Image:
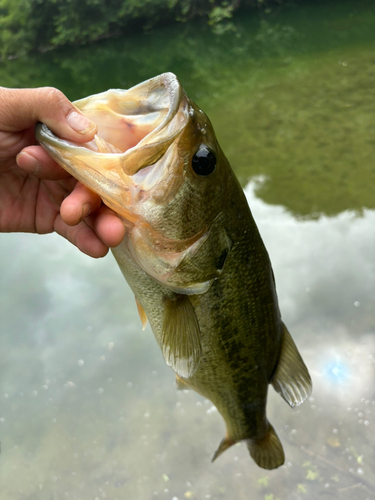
[{"x": 167, "y": 89}]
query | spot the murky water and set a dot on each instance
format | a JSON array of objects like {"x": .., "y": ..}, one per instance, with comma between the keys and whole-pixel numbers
[{"x": 88, "y": 409}]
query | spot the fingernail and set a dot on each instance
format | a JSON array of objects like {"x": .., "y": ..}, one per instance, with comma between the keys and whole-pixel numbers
[
  {"x": 80, "y": 123},
  {"x": 28, "y": 162},
  {"x": 86, "y": 210}
]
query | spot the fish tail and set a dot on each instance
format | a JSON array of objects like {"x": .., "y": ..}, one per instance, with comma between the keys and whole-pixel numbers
[{"x": 267, "y": 452}]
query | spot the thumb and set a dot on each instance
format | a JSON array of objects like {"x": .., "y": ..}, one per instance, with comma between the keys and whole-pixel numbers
[{"x": 21, "y": 109}]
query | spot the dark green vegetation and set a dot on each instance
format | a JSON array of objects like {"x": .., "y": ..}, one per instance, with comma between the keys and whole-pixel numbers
[
  {"x": 27, "y": 25},
  {"x": 290, "y": 94}
]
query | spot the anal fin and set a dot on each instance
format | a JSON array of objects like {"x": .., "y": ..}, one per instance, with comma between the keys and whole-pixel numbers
[
  {"x": 291, "y": 378},
  {"x": 180, "y": 339},
  {"x": 226, "y": 443},
  {"x": 141, "y": 313}
]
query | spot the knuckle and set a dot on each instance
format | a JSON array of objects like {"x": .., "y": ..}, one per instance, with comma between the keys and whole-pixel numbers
[{"x": 54, "y": 98}]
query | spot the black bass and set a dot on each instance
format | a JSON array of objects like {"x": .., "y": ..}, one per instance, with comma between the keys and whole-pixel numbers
[{"x": 192, "y": 254}]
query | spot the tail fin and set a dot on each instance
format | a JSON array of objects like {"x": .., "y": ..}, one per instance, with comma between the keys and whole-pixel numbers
[{"x": 267, "y": 452}]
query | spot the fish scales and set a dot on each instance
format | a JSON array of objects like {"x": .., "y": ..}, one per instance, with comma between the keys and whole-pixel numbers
[
  {"x": 192, "y": 254},
  {"x": 245, "y": 351}
]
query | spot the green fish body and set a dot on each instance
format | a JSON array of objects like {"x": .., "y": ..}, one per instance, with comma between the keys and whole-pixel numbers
[{"x": 192, "y": 254}]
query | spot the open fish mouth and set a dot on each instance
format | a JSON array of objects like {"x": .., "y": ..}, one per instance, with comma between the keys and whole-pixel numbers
[
  {"x": 140, "y": 164},
  {"x": 136, "y": 128}
]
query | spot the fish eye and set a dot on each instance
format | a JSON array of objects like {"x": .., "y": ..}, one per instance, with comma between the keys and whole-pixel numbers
[{"x": 204, "y": 161}]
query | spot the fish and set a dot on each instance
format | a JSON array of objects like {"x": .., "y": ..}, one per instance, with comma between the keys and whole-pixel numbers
[{"x": 192, "y": 254}]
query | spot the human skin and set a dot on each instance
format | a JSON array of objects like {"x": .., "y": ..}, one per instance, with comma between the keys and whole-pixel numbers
[{"x": 36, "y": 194}]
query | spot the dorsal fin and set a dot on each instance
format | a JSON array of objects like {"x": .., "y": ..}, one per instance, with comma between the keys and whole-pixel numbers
[
  {"x": 141, "y": 313},
  {"x": 180, "y": 339},
  {"x": 291, "y": 378}
]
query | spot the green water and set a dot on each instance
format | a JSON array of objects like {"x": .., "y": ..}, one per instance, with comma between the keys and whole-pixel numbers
[
  {"x": 291, "y": 94},
  {"x": 88, "y": 409}
]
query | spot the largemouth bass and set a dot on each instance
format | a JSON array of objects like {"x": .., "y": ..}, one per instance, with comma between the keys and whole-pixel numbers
[{"x": 192, "y": 254}]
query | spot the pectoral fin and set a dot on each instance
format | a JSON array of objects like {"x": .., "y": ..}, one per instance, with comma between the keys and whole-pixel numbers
[
  {"x": 180, "y": 340},
  {"x": 291, "y": 378}
]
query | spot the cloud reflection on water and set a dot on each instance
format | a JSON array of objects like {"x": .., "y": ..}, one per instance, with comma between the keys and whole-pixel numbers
[
  {"x": 325, "y": 275},
  {"x": 86, "y": 398}
]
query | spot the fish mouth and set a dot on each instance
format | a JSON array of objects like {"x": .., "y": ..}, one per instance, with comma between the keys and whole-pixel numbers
[{"x": 136, "y": 128}]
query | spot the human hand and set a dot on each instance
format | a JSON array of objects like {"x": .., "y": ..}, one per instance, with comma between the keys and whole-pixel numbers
[{"x": 36, "y": 194}]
